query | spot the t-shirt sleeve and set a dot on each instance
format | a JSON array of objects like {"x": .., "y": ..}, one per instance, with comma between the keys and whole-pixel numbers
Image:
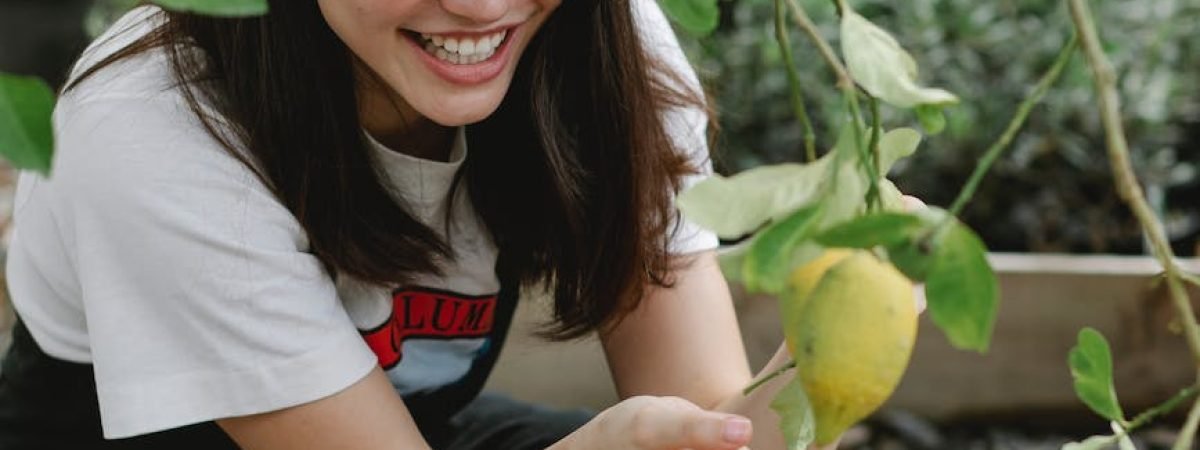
[
  {"x": 688, "y": 126},
  {"x": 200, "y": 297}
]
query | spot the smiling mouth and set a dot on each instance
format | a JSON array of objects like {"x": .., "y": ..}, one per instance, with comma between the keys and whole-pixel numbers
[{"x": 461, "y": 49}]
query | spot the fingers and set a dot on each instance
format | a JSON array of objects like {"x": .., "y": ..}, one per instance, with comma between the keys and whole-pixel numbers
[
  {"x": 912, "y": 203},
  {"x": 919, "y": 297},
  {"x": 673, "y": 423}
]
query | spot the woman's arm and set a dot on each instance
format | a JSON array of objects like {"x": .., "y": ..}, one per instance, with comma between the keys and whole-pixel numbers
[
  {"x": 368, "y": 415},
  {"x": 682, "y": 341},
  {"x": 685, "y": 341}
]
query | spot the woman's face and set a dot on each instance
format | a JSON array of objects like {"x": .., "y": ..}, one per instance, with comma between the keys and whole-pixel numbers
[{"x": 451, "y": 61}]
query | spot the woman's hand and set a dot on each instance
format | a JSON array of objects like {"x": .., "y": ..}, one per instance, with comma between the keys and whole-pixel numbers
[{"x": 659, "y": 423}]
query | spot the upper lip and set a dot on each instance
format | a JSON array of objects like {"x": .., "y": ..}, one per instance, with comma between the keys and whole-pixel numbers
[{"x": 455, "y": 34}]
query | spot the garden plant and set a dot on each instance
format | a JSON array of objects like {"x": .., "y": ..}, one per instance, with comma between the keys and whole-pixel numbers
[{"x": 831, "y": 237}]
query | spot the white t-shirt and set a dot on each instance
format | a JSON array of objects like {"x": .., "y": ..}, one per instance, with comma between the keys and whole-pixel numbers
[{"x": 158, "y": 258}]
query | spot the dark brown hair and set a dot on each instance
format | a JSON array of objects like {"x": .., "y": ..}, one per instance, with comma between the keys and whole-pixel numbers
[{"x": 573, "y": 175}]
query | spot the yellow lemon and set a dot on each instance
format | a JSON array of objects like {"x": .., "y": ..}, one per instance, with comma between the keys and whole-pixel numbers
[
  {"x": 852, "y": 340},
  {"x": 800, "y": 284}
]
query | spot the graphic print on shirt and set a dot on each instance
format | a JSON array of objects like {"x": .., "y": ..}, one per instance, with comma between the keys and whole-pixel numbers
[{"x": 430, "y": 314}]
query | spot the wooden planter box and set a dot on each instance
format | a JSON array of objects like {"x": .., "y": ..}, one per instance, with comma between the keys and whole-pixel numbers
[{"x": 1046, "y": 299}]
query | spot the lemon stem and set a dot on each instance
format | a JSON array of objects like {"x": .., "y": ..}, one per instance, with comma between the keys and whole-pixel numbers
[{"x": 771, "y": 376}]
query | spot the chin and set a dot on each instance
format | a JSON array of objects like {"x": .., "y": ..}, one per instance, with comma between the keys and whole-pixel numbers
[{"x": 447, "y": 114}]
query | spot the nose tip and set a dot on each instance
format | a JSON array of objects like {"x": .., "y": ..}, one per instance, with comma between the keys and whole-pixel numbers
[{"x": 478, "y": 11}]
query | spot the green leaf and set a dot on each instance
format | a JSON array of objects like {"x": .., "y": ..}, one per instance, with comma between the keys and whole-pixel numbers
[
  {"x": 1092, "y": 369},
  {"x": 895, "y": 145},
  {"x": 844, "y": 186},
  {"x": 961, "y": 288},
  {"x": 893, "y": 199},
  {"x": 878, "y": 63},
  {"x": 886, "y": 228},
  {"x": 770, "y": 258},
  {"x": 698, "y": 17},
  {"x": 916, "y": 255},
  {"x": 796, "y": 416},
  {"x": 219, "y": 8},
  {"x": 932, "y": 117},
  {"x": 735, "y": 206},
  {"x": 26, "y": 136}
]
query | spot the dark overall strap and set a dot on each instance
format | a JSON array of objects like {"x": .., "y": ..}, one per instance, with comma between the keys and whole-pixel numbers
[
  {"x": 432, "y": 409},
  {"x": 48, "y": 403}
]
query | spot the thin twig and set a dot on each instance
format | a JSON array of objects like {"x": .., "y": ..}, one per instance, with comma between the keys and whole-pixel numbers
[
  {"x": 806, "y": 24},
  {"x": 1188, "y": 433},
  {"x": 785, "y": 47},
  {"x": 1127, "y": 184},
  {"x": 1130, "y": 191},
  {"x": 1014, "y": 126},
  {"x": 1163, "y": 408},
  {"x": 771, "y": 376},
  {"x": 1193, "y": 279},
  {"x": 875, "y": 162}
]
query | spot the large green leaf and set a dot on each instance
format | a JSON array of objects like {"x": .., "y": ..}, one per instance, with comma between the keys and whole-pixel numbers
[
  {"x": 914, "y": 256},
  {"x": 961, "y": 288},
  {"x": 220, "y": 8},
  {"x": 878, "y": 63},
  {"x": 796, "y": 418},
  {"x": 698, "y": 17},
  {"x": 1092, "y": 368},
  {"x": 887, "y": 228},
  {"x": 735, "y": 206},
  {"x": 26, "y": 136},
  {"x": 844, "y": 185},
  {"x": 769, "y": 261},
  {"x": 732, "y": 207}
]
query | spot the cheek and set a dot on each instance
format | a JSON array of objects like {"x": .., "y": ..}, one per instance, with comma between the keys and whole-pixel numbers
[{"x": 363, "y": 24}]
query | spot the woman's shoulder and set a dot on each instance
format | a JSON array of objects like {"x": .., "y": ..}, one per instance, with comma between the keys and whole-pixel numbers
[
  {"x": 131, "y": 112},
  {"x": 137, "y": 75}
]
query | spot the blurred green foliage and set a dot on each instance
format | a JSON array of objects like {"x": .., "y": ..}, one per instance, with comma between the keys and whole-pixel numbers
[{"x": 1052, "y": 191}]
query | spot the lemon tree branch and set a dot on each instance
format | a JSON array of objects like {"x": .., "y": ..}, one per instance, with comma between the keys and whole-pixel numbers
[
  {"x": 1014, "y": 125},
  {"x": 835, "y": 63},
  {"x": 1127, "y": 184},
  {"x": 785, "y": 47},
  {"x": 1128, "y": 188}
]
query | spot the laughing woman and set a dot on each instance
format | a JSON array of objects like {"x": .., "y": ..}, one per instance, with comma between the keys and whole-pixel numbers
[{"x": 308, "y": 231}]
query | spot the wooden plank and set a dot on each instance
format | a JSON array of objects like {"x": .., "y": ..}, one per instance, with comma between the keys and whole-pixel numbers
[{"x": 1046, "y": 299}]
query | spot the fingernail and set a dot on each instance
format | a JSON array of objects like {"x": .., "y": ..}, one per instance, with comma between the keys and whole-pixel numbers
[{"x": 736, "y": 430}]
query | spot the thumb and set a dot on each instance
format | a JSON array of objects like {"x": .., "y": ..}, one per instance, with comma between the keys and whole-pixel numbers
[{"x": 695, "y": 429}]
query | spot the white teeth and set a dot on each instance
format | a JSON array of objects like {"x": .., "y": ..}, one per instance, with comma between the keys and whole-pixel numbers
[
  {"x": 466, "y": 47},
  {"x": 463, "y": 50}
]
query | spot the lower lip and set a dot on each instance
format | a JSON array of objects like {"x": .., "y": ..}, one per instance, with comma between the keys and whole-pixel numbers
[{"x": 467, "y": 74}]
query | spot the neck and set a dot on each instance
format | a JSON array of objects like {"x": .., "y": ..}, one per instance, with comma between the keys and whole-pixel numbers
[
  {"x": 421, "y": 138},
  {"x": 396, "y": 125}
]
